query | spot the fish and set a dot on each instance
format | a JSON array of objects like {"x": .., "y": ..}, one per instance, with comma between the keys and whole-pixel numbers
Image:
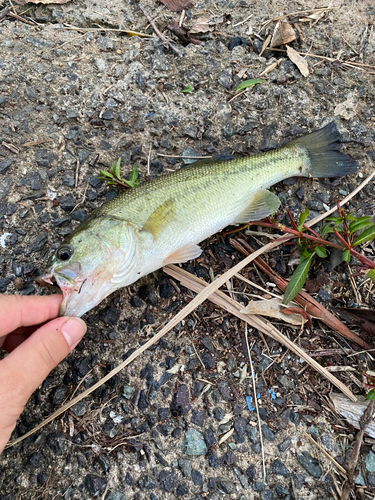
[{"x": 162, "y": 221}]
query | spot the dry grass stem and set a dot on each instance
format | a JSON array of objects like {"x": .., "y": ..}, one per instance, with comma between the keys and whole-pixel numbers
[
  {"x": 131, "y": 32},
  {"x": 327, "y": 455},
  {"x": 256, "y": 402}
]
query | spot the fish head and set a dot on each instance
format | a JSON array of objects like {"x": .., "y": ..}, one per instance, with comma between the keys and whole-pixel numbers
[{"x": 93, "y": 262}]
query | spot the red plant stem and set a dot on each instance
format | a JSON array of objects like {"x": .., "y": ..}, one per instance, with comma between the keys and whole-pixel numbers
[
  {"x": 311, "y": 231},
  {"x": 344, "y": 242},
  {"x": 292, "y": 220},
  {"x": 367, "y": 262}
]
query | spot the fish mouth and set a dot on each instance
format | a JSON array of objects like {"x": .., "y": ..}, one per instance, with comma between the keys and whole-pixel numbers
[{"x": 80, "y": 293}]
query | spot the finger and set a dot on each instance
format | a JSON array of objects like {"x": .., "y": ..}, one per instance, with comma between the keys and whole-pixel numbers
[
  {"x": 29, "y": 364},
  {"x": 17, "y": 310}
]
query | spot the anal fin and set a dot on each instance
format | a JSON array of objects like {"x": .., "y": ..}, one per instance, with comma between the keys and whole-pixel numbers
[
  {"x": 263, "y": 204},
  {"x": 187, "y": 252},
  {"x": 160, "y": 218}
]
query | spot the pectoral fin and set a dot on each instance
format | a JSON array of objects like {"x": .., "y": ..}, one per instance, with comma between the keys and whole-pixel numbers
[
  {"x": 160, "y": 218},
  {"x": 264, "y": 203},
  {"x": 187, "y": 252}
]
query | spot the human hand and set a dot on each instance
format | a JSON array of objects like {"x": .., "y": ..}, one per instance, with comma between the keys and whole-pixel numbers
[{"x": 34, "y": 350}]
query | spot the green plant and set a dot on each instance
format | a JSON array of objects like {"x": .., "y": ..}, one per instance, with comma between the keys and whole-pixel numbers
[
  {"x": 345, "y": 227},
  {"x": 187, "y": 89},
  {"x": 248, "y": 83},
  {"x": 113, "y": 175}
]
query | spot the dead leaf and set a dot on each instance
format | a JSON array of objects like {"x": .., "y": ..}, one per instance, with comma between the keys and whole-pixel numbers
[
  {"x": 283, "y": 34},
  {"x": 201, "y": 26},
  {"x": 272, "y": 309},
  {"x": 178, "y": 5},
  {"x": 298, "y": 60}
]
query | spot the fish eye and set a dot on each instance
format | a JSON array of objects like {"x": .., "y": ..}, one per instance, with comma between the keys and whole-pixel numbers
[{"x": 64, "y": 252}]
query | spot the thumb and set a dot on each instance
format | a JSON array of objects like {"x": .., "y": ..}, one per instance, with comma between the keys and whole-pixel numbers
[{"x": 30, "y": 363}]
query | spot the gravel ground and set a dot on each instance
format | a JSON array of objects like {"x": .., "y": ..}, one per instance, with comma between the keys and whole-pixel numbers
[{"x": 153, "y": 431}]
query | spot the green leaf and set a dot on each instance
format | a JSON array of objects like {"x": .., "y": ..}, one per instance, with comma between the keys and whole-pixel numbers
[
  {"x": 302, "y": 219},
  {"x": 321, "y": 252},
  {"x": 367, "y": 235},
  {"x": 371, "y": 275},
  {"x": 326, "y": 229},
  {"x": 370, "y": 395},
  {"x": 187, "y": 89},
  {"x": 333, "y": 219},
  {"x": 105, "y": 173},
  {"x": 134, "y": 174},
  {"x": 346, "y": 255},
  {"x": 248, "y": 83},
  {"x": 358, "y": 226},
  {"x": 117, "y": 169},
  {"x": 297, "y": 280}
]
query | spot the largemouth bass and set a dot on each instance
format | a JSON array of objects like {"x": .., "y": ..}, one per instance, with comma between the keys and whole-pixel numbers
[{"x": 162, "y": 221}]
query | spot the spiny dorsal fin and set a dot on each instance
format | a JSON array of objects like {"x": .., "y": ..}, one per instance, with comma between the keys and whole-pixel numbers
[
  {"x": 160, "y": 218},
  {"x": 263, "y": 204}
]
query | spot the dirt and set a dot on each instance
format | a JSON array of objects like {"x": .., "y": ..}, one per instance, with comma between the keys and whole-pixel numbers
[{"x": 72, "y": 94}]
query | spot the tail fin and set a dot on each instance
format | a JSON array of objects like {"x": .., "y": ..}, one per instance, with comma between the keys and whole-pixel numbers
[{"x": 323, "y": 149}]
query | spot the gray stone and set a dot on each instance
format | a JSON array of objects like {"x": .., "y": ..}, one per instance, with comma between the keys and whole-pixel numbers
[
  {"x": 79, "y": 409},
  {"x": 95, "y": 484},
  {"x": 240, "y": 424},
  {"x": 127, "y": 391},
  {"x": 279, "y": 468},
  {"x": 370, "y": 462},
  {"x": 197, "y": 418},
  {"x": 286, "y": 382},
  {"x": 267, "y": 433},
  {"x": 105, "y": 43},
  {"x": 326, "y": 441},
  {"x": 5, "y": 164},
  {"x": 224, "y": 390},
  {"x": 252, "y": 434},
  {"x": 193, "y": 443},
  {"x": 185, "y": 466},
  {"x": 225, "y": 79},
  {"x": 309, "y": 464},
  {"x": 4, "y": 282},
  {"x": 167, "y": 480},
  {"x": 5, "y": 187},
  {"x": 161, "y": 63},
  {"x": 196, "y": 477},
  {"x": 316, "y": 205},
  {"x": 225, "y": 486}
]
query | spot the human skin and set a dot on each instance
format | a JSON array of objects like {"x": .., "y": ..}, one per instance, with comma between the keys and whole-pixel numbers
[{"x": 36, "y": 341}]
